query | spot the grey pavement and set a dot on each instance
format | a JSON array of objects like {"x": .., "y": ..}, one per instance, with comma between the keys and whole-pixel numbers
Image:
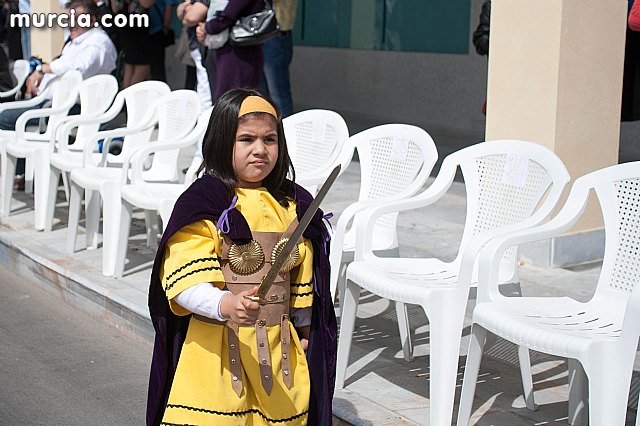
[{"x": 381, "y": 388}]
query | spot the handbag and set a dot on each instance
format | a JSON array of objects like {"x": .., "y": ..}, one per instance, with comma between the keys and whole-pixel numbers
[{"x": 254, "y": 29}]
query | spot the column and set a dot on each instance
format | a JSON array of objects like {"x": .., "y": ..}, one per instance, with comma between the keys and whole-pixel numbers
[
  {"x": 555, "y": 78},
  {"x": 46, "y": 42}
]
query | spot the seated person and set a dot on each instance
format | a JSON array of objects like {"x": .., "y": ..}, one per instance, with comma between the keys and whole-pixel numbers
[{"x": 89, "y": 51}]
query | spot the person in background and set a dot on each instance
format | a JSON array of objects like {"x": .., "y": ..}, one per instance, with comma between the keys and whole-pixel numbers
[
  {"x": 192, "y": 13},
  {"x": 6, "y": 81},
  {"x": 634, "y": 16},
  {"x": 278, "y": 53},
  {"x": 24, "y": 6},
  {"x": 160, "y": 16},
  {"x": 89, "y": 51},
  {"x": 481, "y": 36},
  {"x": 134, "y": 41},
  {"x": 235, "y": 66}
]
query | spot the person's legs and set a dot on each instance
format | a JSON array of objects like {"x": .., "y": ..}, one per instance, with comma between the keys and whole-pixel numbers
[
  {"x": 278, "y": 53},
  {"x": 202, "y": 88},
  {"x": 9, "y": 117},
  {"x": 157, "y": 56},
  {"x": 135, "y": 74},
  {"x": 209, "y": 64}
]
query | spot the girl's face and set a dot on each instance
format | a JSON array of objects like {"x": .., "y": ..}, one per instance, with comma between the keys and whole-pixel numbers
[{"x": 255, "y": 151}]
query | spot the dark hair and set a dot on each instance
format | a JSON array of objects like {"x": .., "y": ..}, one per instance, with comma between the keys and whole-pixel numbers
[
  {"x": 217, "y": 147},
  {"x": 89, "y": 6}
]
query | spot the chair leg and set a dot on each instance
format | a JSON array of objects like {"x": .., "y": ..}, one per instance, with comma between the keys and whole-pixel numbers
[
  {"x": 527, "y": 380},
  {"x": 92, "y": 217},
  {"x": 337, "y": 284},
  {"x": 40, "y": 159},
  {"x": 608, "y": 391},
  {"x": 126, "y": 210},
  {"x": 445, "y": 329},
  {"x": 28, "y": 176},
  {"x": 74, "y": 216},
  {"x": 350, "y": 299},
  {"x": 52, "y": 196},
  {"x": 65, "y": 185},
  {"x": 341, "y": 283},
  {"x": 405, "y": 331},
  {"x": 153, "y": 227},
  {"x": 471, "y": 369},
  {"x": 578, "y": 394},
  {"x": 8, "y": 171},
  {"x": 111, "y": 210}
]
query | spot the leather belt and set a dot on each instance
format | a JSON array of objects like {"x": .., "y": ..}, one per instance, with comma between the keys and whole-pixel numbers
[{"x": 272, "y": 316}]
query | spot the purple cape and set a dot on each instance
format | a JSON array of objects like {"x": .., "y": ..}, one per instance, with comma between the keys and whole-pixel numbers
[{"x": 207, "y": 198}]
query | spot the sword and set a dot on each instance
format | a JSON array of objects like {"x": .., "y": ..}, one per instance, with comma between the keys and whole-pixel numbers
[{"x": 267, "y": 281}]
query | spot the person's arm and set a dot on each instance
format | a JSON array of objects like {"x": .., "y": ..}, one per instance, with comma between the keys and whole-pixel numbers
[
  {"x": 195, "y": 14},
  {"x": 234, "y": 10},
  {"x": 168, "y": 16},
  {"x": 634, "y": 16}
]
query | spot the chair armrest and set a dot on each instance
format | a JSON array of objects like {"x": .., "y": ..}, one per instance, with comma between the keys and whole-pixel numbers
[
  {"x": 364, "y": 230},
  {"x": 107, "y": 135},
  {"x": 489, "y": 258},
  {"x": 21, "y": 122},
  {"x": 136, "y": 158},
  {"x": 27, "y": 103}
]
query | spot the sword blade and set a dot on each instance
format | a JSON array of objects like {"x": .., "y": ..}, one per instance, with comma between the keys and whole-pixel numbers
[{"x": 268, "y": 279}]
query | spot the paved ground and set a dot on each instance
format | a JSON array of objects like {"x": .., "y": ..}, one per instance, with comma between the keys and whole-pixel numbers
[{"x": 381, "y": 388}]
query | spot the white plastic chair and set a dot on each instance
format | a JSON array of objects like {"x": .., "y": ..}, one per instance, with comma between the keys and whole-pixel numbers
[
  {"x": 505, "y": 181},
  {"x": 33, "y": 146},
  {"x": 64, "y": 157},
  {"x": 175, "y": 114},
  {"x": 20, "y": 72},
  {"x": 314, "y": 139},
  {"x": 601, "y": 334},
  {"x": 154, "y": 197},
  {"x": 395, "y": 162}
]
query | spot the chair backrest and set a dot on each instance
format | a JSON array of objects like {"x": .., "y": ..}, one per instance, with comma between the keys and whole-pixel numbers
[
  {"x": 19, "y": 74},
  {"x": 505, "y": 181},
  {"x": 177, "y": 116},
  {"x": 96, "y": 96},
  {"x": 618, "y": 192},
  {"x": 140, "y": 101},
  {"x": 64, "y": 94},
  {"x": 314, "y": 138},
  {"x": 395, "y": 162}
]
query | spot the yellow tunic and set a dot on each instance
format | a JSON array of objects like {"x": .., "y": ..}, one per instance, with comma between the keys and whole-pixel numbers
[{"x": 201, "y": 393}]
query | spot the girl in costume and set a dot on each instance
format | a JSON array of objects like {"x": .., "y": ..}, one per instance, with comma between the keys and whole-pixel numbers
[{"x": 220, "y": 358}]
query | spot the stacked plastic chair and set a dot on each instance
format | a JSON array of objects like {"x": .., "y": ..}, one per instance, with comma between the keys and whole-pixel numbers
[
  {"x": 154, "y": 197},
  {"x": 33, "y": 146},
  {"x": 314, "y": 140},
  {"x": 63, "y": 157},
  {"x": 505, "y": 182},
  {"x": 175, "y": 114},
  {"x": 601, "y": 334}
]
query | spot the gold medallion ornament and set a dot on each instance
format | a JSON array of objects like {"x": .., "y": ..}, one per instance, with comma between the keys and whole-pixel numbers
[
  {"x": 291, "y": 260},
  {"x": 247, "y": 258}
]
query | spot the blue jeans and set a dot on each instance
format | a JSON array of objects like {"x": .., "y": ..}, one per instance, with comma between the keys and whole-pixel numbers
[
  {"x": 278, "y": 52},
  {"x": 9, "y": 117}
]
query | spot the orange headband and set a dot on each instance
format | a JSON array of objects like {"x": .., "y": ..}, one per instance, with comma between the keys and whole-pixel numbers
[{"x": 256, "y": 104}]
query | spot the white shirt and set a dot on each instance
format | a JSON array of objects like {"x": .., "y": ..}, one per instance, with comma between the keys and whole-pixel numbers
[{"x": 91, "y": 53}]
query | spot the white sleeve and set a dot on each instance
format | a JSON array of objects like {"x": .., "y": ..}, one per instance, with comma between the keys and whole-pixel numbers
[
  {"x": 301, "y": 317},
  {"x": 202, "y": 299}
]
